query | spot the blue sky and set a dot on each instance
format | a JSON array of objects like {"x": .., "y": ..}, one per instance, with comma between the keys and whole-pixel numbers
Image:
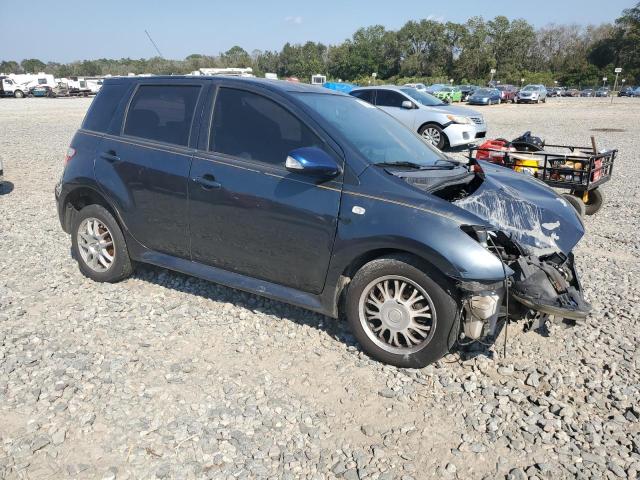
[{"x": 67, "y": 31}]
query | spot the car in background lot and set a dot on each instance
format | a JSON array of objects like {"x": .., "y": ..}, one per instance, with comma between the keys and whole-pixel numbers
[
  {"x": 532, "y": 94},
  {"x": 603, "y": 92},
  {"x": 587, "y": 92},
  {"x": 328, "y": 204},
  {"x": 485, "y": 96},
  {"x": 636, "y": 92},
  {"x": 467, "y": 91},
  {"x": 60, "y": 90},
  {"x": 448, "y": 94},
  {"x": 418, "y": 86},
  {"x": 571, "y": 92},
  {"x": 626, "y": 91},
  {"x": 555, "y": 91},
  {"x": 507, "y": 93},
  {"x": 440, "y": 124}
]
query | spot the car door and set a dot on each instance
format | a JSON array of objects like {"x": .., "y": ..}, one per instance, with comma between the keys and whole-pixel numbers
[
  {"x": 391, "y": 102},
  {"x": 145, "y": 167},
  {"x": 248, "y": 214}
]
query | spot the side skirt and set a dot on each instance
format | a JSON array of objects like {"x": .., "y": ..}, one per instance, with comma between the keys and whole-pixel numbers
[{"x": 237, "y": 281}]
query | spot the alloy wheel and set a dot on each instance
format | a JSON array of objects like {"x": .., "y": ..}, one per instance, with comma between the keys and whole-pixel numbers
[
  {"x": 95, "y": 244},
  {"x": 397, "y": 314},
  {"x": 432, "y": 135}
]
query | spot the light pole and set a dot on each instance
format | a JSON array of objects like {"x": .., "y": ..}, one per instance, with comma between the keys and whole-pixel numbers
[
  {"x": 493, "y": 72},
  {"x": 374, "y": 75},
  {"x": 521, "y": 82},
  {"x": 451, "y": 81}
]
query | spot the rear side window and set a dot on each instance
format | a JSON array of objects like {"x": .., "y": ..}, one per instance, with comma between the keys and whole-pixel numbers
[
  {"x": 366, "y": 95},
  {"x": 251, "y": 126},
  {"x": 162, "y": 112},
  {"x": 389, "y": 98},
  {"x": 103, "y": 107}
]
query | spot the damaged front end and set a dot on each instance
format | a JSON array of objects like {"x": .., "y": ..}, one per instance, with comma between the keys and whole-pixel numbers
[{"x": 531, "y": 230}]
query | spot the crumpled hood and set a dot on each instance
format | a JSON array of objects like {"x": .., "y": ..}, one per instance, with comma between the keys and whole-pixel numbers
[{"x": 540, "y": 220}]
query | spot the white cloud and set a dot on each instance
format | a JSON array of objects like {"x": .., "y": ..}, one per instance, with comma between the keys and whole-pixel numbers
[
  {"x": 436, "y": 18},
  {"x": 295, "y": 19}
]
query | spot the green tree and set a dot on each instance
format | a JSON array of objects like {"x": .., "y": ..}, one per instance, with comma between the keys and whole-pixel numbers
[
  {"x": 236, "y": 57},
  {"x": 32, "y": 65},
  {"x": 9, "y": 66}
]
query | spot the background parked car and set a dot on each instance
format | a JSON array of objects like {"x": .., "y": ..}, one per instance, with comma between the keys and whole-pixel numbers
[
  {"x": 448, "y": 94},
  {"x": 485, "y": 96},
  {"x": 626, "y": 91},
  {"x": 555, "y": 91},
  {"x": 418, "y": 86},
  {"x": 636, "y": 92},
  {"x": 507, "y": 93},
  {"x": 571, "y": 92},
  {"x": 603, "y": 92},
  {"x": 587, "y": 92},
  {"x": 532, "y": 94},
  {"x": 440, "y": 124},
  {"x": 467, "y": 91}
]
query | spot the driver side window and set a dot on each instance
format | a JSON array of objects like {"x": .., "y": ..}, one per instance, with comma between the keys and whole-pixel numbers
[{"x": 253, "y": 127}]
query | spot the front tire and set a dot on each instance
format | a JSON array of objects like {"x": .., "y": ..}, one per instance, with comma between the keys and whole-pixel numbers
[
  {"x": 434, "y": 135},
  {"x": 98, "y": 245},
  {"x": 399, "y": 314},
  {"x": 18, "y": 94}
]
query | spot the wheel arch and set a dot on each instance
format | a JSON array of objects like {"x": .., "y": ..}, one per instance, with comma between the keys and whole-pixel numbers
[
  {"x": 359, "y": 261},
  {"x": 79, "y": 198}
]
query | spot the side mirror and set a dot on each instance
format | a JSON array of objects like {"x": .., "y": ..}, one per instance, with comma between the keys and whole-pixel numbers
[
  {"x": 407, "y": 104},
  {"x": 312, "y": 161}
]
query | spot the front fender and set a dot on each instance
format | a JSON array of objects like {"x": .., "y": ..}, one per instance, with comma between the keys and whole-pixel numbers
[{"x": 434, "y": 237}]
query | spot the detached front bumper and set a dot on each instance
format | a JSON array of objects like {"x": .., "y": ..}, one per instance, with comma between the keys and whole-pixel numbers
[{"x": 550, "y": 286}]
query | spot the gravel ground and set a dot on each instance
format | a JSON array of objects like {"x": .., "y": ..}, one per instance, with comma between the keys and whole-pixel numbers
[{"x": 169, "y": 376}]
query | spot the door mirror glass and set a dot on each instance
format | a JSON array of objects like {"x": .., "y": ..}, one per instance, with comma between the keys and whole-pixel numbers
[
  {"x": 407, "y": 104},
  {"x": 312, "y": 161}
]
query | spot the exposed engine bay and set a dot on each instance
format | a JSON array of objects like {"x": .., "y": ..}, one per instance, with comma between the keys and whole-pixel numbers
[{"x": 530, "y": 229}]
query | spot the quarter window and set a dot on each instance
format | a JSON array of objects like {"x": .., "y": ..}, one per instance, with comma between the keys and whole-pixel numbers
[
  {"x": 162, "y": 112},
  {"x": 103, "y": 107},
  {"x": 251, "y": 126}
]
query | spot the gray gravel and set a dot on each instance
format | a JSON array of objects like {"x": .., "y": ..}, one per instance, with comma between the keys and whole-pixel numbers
[{"x": 168, "y": 376}]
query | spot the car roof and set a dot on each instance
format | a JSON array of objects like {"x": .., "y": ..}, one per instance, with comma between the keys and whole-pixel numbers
[{"x": 274, "y": 85}]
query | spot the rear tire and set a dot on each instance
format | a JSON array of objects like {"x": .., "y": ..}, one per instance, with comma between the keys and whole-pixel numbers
[
  {"x": 576, "y": 203},
  {"x": 98, "y": 245},
  {"x": 433, "y": 333}
]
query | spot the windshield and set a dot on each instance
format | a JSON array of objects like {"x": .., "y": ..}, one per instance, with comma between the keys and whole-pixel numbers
[
  {"x": 423, "y": 98},
  {"x": 376, "y": 135},
  {"x": 530, "y": 88},
  {"x": 482, "y": 91}
]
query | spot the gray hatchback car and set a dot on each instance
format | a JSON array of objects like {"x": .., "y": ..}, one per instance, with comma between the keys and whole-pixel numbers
[{"x": 439, "y": 123}]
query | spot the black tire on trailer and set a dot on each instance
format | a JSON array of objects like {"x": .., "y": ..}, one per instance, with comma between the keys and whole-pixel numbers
[
  {"x": 576, "y": 203},
  {"x": 595, "y": 202}
]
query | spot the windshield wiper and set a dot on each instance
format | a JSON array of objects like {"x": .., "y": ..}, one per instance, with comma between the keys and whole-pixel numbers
[
  {"x": 417, "y": 166},
  {"x": 400, "y": 164}
]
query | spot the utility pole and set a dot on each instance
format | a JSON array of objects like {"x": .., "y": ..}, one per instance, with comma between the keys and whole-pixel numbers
[{"x": 154, "y": 44}]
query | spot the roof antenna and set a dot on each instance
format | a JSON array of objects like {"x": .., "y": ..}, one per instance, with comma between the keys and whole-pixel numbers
[{"x": 153, "y": 43}]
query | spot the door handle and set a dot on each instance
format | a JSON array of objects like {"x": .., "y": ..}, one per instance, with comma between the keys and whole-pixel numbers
[
  {"x": 110, "y": 156},
  {"x": 207, "y": 181}
]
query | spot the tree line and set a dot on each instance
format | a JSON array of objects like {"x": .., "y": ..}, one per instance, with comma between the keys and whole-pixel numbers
[{"x": 423, "y": 50}]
